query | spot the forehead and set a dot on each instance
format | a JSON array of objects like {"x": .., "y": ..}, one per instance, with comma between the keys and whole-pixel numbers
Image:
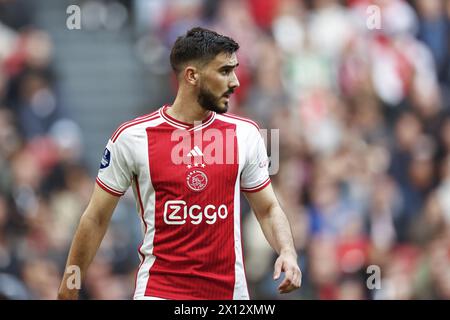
[{"x": 223, "y": 59}]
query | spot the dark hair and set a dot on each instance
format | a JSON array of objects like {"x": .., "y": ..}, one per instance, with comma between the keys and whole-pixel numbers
[{"x": 200, "y": 44}]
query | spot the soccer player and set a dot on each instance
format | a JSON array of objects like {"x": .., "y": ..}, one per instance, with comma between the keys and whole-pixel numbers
[{"x": 187, "y": 164}]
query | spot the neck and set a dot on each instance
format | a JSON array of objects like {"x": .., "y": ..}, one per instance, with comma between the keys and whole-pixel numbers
[{"x": 186, "y": 109}]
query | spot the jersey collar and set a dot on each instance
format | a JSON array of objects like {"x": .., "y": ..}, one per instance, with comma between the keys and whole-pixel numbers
[{"x": 183, "y": 125}]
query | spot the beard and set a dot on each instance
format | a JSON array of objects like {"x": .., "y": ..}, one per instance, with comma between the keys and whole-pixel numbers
[{"x": 208, "y": 101}]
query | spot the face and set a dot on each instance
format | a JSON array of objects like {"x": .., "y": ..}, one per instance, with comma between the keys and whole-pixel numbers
[{"x": 218, "y": 82}]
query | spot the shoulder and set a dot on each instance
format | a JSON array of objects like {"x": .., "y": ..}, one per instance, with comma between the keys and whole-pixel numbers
[
  {"x": 127, "y": 127},
  {"x": 243, "y": 122}
]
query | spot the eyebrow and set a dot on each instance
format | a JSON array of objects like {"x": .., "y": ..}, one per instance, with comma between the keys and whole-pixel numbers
[{"x": 229, "y": 66}]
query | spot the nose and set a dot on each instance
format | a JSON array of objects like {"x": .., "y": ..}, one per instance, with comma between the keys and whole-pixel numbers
[{"x": 234, "y": 82}]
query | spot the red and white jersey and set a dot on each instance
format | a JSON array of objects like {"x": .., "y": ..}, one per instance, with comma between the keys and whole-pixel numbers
[{"x": 187, "y": 181}]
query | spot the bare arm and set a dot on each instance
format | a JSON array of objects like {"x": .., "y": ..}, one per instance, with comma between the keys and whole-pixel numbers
[
  {"x": 277, "y": 231},
  {"x": 90, "y": 232}
]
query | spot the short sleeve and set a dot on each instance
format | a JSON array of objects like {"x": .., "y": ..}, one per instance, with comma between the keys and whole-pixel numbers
[
  {"x": 115, "y": 173},
  {"x": 255, "y": 174}
]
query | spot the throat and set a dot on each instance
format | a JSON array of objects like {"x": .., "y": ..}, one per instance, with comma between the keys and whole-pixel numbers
[{"x": 187, "y": 115}]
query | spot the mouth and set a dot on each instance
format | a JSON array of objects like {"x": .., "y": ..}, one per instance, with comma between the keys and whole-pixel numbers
[
  {"x": 226, "y": 99},
  {"x": 227, "y": 95}
]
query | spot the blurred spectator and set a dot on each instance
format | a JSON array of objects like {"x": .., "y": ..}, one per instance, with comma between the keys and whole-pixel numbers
[
  {"x": 16, "y": 14},
  {"x": 434, "y": 32}
]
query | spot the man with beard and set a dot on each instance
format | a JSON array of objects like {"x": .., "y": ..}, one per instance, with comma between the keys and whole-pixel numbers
[{"x": 187, "y": 164}]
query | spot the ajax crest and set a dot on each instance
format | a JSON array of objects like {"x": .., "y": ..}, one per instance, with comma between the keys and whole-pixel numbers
[{"x": 196, "y": 180}]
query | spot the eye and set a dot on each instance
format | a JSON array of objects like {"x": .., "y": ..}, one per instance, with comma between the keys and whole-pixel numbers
[{"x": 225, "y": 72}]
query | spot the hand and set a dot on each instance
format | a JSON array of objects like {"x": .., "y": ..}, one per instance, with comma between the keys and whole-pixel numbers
[
  {"x": 65, "y": 293},
  {"x": 287, "y": 263}
]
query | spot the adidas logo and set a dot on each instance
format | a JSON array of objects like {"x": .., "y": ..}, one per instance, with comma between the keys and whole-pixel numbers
[{"x": 195, "y": 152}]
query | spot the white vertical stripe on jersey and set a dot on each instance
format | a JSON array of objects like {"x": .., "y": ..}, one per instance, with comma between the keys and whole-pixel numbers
[
  {"x": 147, "y": 247},
  {"x": 240, "y": 282}
]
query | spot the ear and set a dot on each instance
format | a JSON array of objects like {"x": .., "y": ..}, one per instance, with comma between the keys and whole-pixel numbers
[{"x": 191, "y": 75}]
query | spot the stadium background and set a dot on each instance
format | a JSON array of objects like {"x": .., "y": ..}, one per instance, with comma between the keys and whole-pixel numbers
[{"x": 364, "y": 136}]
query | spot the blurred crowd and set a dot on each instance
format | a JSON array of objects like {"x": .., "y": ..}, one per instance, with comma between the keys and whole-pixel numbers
[
  {"x": 359, "y": 91},
  {"x": 44, "y": 182}
]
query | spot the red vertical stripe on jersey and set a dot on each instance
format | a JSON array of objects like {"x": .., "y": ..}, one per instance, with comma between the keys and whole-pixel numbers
[{"x": 192, "y": 261}]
